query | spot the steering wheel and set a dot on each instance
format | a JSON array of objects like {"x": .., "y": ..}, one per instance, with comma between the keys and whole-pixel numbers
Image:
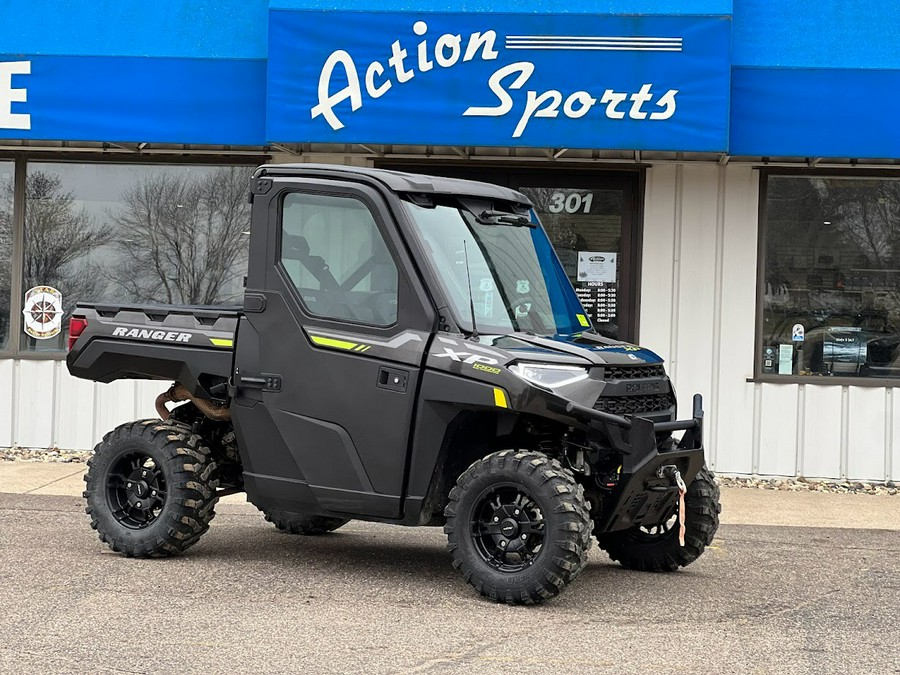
[
  {"x": 532, "y": 316},
  {"x": 519, "y": 301}
]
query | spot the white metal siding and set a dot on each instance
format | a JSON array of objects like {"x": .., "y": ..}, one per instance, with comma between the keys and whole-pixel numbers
[
  {"x": 698, "y": 307},
  {"x": 7, "y": 400},
  {"x": 48, "y": 408},
  {"x": 698, "y": 310}
]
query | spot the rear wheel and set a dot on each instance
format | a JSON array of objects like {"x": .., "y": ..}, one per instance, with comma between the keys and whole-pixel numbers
[
  {"x": 518, "y": 527},
  {"x": 656, "y": 548},
  {"x": 303, "y": 523},
  {"x": 150, "y": 489}
]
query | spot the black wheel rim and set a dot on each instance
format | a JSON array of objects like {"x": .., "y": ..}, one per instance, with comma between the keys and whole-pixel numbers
[
  {"x": 135, "y": 490},
  {"x": 660, "y": 530},
  {"x": 507, "y": 528}
]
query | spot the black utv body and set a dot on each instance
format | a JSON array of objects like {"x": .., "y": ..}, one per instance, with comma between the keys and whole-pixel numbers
[{"x": 410, "y": 351}]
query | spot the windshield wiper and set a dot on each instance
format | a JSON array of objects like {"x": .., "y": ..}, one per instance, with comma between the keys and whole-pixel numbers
[
  {"x": 504, "y": 218},
  {"x": 484, "y": 213}
]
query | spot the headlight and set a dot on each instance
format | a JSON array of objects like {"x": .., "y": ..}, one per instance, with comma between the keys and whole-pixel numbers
[{"x": 550, "y": 376}]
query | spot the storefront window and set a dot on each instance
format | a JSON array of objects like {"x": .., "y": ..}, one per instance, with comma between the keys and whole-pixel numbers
[
  {"x": 6, "y": 243},
  {"x": 129, "y": 233},
  {"x": 831, "y": 277}
]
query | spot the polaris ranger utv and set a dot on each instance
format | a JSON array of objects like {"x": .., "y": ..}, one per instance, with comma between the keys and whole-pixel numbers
[{"x": 410, "y": 351}]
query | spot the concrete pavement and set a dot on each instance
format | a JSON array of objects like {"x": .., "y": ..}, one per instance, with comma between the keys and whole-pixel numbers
[
  {"x": 378, "y": 599},
  {"x": 65, "y": 479},
  {"x": 740, "y": 506},
  {"x": 795, "y": 582}
]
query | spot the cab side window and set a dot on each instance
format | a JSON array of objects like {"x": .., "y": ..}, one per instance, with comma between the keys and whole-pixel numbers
[{"x": 337, "y": 260}]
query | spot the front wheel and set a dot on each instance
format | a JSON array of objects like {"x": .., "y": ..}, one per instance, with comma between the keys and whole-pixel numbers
[
  {"x": 518, "y": 527},
  {"x": 150, "y": 489},
  {"x": 656, "y": 548}
]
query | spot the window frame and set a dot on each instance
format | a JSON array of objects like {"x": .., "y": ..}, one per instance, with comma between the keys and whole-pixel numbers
[
  {"x": 289, "y": 282},
  {"x": 770, "y": 378},
  {"x": 21, "y": 160}
]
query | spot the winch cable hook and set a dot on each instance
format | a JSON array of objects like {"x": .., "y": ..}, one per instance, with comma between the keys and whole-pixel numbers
[{"x": 671, "y": 472}]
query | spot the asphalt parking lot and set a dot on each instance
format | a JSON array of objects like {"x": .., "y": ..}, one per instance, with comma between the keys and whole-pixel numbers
[{"x": 382, "y": 599}]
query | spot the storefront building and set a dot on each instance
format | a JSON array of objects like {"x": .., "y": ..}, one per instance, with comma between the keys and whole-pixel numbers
[{"x": 720, "y": 179}]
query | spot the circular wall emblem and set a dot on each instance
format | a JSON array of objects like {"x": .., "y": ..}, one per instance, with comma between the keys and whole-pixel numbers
[{"x": 43, "y": 312}]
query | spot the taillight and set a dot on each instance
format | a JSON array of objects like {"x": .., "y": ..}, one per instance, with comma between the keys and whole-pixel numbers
[{"x": 77, "y": 324}]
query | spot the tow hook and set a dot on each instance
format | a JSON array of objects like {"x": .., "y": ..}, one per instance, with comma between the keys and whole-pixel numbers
[{"x": 671, "y": 472}]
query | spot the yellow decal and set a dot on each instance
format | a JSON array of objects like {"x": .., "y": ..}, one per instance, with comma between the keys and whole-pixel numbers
[
  {"x": 222, "y": 342},
  {"x": 487, "y": 369},
  {"x": 631, "y": 348},
  {"x": 500, "y": 398},
  {"x": 582, "y": 319},
  {"x": 339, "y": 344},
  {"x": 331, "y": 342}
]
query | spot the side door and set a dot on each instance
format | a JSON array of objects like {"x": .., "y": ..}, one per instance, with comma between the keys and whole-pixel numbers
[{"x": 329, "y": 352}]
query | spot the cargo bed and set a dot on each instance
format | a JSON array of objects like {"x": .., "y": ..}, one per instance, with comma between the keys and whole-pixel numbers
[{"x": 191, "y": 344}]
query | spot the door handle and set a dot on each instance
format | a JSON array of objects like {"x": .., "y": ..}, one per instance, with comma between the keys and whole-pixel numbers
[
  {"x": 393, "y": 379},
  {"x": 264, "y": 381}
]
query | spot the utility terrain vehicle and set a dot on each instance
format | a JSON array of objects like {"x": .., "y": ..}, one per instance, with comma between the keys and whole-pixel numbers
[{"x": 409, "y": 350}]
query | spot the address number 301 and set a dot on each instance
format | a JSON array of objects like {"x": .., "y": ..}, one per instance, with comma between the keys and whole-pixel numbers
[{"x": 572, "y": 202}]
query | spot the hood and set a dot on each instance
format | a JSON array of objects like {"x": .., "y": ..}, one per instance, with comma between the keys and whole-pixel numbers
[{"x": 577, "y": 349}]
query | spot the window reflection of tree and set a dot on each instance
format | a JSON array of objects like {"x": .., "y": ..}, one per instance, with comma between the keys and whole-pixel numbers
[
  {"x": 6, "y": 213},
  {"x": 59, "y": 236},
  {"x": 867, "y": 213},
  {"x": 560, "y": 230},
  {"x": 175, "y": 235},
  {"x": 182, "y": 240},
  {"x": 825, "y": 225}
]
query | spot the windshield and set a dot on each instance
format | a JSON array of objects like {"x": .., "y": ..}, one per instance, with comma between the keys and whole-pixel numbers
[{"x": 516, "y": 280}]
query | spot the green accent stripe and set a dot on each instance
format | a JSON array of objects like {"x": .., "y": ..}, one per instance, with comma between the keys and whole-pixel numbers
[
  {"x": 331, "y": 342},
  {"x": 222, "y": 342}
]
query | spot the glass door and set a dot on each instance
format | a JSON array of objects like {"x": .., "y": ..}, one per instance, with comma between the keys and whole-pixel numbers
[
  {"x": 585, "y": 226},
  {"x": 590, "y": 218}
]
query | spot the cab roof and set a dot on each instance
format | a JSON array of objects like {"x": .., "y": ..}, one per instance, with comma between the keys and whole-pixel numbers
[{"x": 399, "y": 181}]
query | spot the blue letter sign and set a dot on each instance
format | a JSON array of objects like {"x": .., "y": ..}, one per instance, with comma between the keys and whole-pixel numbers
[{"x": 576, "y": 81}]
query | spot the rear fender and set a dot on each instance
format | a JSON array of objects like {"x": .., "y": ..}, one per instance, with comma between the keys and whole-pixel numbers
[{"x": 106, "y": 360}]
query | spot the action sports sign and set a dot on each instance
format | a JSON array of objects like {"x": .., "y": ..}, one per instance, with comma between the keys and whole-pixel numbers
[{"x": 577, "y": 81}]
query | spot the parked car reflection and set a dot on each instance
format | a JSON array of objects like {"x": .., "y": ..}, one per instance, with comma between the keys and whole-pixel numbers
[{"x": 864, "y": 345}]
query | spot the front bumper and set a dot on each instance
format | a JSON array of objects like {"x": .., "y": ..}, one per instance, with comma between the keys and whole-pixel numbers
[{"x": 643, "y": 494}]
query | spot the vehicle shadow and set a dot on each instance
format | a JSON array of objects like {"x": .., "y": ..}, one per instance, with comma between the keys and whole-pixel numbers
[
  {"x": 415, "y": 560},
  {"x": 388, "y": 547}
]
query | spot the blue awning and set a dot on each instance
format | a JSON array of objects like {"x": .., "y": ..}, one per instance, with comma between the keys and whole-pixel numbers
[
  {"x": 162, "y": 72},
  {"x": 816, "y": 78},
  {"x": 793, "y": 78},
  {"x": 596, "y": 7}
]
